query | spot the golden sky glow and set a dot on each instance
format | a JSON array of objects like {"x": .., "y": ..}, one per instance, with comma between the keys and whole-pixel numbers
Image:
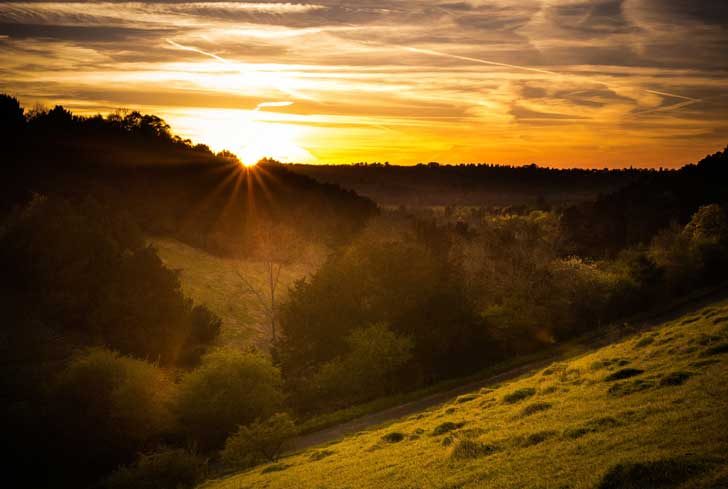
[{"x": 557, "y": 82}]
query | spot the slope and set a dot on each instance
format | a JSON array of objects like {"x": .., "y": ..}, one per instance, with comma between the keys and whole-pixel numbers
[
  {"x": 212, "y": 280},
  {"x": 648, "y": 411}
]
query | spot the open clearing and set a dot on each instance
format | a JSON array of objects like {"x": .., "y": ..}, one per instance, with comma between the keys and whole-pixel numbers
[{"x": 214, "y": 281}]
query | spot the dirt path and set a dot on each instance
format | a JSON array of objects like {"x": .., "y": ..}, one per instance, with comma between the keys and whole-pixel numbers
[{"x": 569, "y": 350}]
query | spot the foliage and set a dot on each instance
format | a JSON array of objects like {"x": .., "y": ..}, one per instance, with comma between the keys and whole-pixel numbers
[
  {"x": 230, "y": 388},
  {"x": 259, "y": 441},
  {"x": 519, "y": 395},
  {"x": 165, "y": 468},
  {"x": 634, "y": 214},
  {"x": 657, "y": 474},
  {"x": 649, "y": 438},
  {"x": 368, "y": 369},
  {"x": 108, "y": 406},
  {"x": 131, "y": 161},
  {"x": 98, "y": 284},
  {"x": 408, "y": 285}
]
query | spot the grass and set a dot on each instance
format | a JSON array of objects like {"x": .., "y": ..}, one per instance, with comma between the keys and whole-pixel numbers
[
  {"x": 656, "y": 434},
  {"x": 213, "y": 281}
]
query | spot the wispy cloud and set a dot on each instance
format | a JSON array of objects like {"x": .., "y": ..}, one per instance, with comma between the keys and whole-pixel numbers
[{"x": 403, "y": 80}]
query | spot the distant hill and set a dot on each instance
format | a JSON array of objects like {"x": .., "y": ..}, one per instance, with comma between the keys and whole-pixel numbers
[
  {"x": 131, "y": 161},
  {"x": 647, "y": 412},
  {"x": 471, "y": 185}
]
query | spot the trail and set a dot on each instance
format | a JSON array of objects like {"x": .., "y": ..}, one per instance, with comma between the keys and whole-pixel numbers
[{"x": 566, "y": 351}]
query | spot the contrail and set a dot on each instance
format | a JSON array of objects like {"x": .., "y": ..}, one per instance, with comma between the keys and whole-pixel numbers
[
  {"x": 666, "y": 94},
  {"x": 272, "y": 104},
  {"x": 688, "y": 100},
  {"x": 667, "y": 108},
  {"x": 199, "y": 51},
  {"x": 287, "y": 91},
  {"x": 478, "y": 60}
]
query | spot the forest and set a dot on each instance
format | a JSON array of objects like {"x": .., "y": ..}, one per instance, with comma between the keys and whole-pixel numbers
[
  {"x": 482, "y": 185},
  {"x": 115, "y": 378}
]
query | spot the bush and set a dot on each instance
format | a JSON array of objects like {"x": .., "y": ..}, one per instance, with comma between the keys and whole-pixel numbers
[
  {"x": 659, "y": 474},
  {"x": 163, "y": 469},
  {"x": 229, "y": 389},
  {"x": 259, "y": 441},
  {"x": 519, "y": 395},
  {"x": 368, "y": 369},
  {"x": 111, "y": 405},
  {"x": 536, "y": 438},
  {"x": 446, "y": 427},
  {"x": 471, "y": 449},
  {"x": 624, "y": 373},
  {"x": 466, "y": 398},
  {"x": 675, "y": 378},
  {"x": 715, "y": 350},
  {"x": 534, "y": 408},
  {"x": 394, "y": 437},
  {"x": 626, "y": 388}
]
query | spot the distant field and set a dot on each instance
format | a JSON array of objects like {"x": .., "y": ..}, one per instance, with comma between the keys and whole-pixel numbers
[
  {"x": 213, "y": 281},
  {"x": 648, "y": 412}
]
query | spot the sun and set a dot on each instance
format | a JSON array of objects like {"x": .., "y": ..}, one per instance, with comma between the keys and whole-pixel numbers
[
  {"x": 242, "y": 133},
  {"x": 276, "y": 141}
]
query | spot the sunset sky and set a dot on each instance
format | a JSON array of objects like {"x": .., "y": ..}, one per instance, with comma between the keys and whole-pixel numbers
[{"x": 558, "y": 82}]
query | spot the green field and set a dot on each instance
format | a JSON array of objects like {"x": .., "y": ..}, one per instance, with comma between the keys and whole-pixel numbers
[
  {"x": 648, "y": 412},
  {"x": 214, "y": 281}
]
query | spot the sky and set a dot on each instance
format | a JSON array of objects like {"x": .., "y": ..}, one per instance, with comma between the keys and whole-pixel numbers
[{"x": 564, "y": 83}]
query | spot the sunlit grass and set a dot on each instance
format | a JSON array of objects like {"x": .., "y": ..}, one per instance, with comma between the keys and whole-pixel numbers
[
  {"x": 564, "y": 426},
  {"x": 213, "y": 281}
]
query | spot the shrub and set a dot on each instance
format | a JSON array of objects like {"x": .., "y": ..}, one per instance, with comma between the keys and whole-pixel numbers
[
  {"x": 446, "y": 427},
  {"x": 229, "y": 389},
  {"x": 658, "y": 474},
  {"x": 534, "y": 408},
  {"x": 675, "y": 378},
  {"x": 367, "y": 370},
  {"x": 465, "y": 449},
  {"x": 393, "y": 437},
  {"x": 320, "y": 455},
  {"x": 591, "y": 427},
  {"x": 519, "y": 395},
  {"x": 163, "y": 469},
  {"x": 647, "y": 340},
  {"x": 123, "y": 399},
  {"x": 576, "y": 432},
  {"x": 259, "y": 441},
  {"x": 625, "y": 388},
  {"x": 624, "y": 373},
  {"x": 274, "y": 468},
  {"x": 466, "y": 398},
  {"x": 536, "y": 438},
  {"x": 716, "y": 350}
]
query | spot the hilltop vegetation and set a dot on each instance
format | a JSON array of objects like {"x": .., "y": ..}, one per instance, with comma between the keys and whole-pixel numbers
[
  {"x": 131, "y": 162},
  {"x": 480, "y": 185},
  {"x": 647, "y": 412}
]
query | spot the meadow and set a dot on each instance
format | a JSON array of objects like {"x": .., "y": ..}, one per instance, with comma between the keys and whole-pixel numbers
[
  {"x": 646, "y": 412},
  {"x": 214, "y": 281}
]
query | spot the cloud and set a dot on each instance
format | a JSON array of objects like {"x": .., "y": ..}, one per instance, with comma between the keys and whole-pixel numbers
[{"x": 477, "y": 75}]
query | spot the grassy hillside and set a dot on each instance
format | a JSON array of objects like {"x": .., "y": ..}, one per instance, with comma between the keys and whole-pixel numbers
[
  {"x": 214, "y": 281},
  {"x": 648, "y": 412}
]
